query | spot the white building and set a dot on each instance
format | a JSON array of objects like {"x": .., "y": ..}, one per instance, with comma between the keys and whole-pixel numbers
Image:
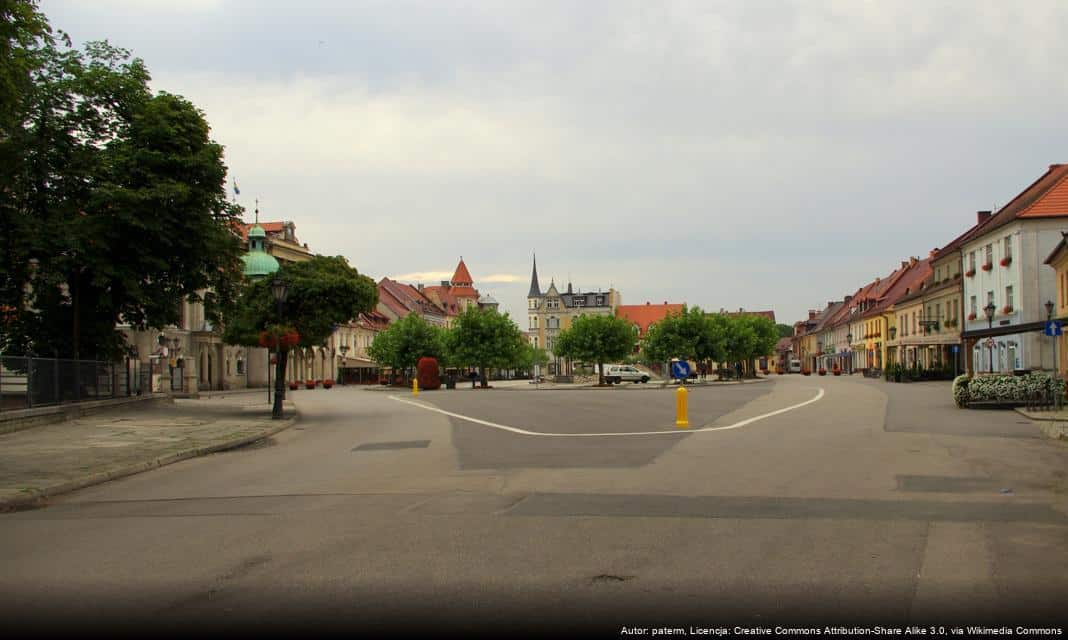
[{"x": 1004, "y": 270}]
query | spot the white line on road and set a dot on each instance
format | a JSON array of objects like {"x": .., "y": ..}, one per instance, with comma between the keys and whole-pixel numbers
[{"x": 524, "y": 432}]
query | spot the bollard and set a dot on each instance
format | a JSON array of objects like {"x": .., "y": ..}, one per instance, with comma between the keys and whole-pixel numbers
[
  {"x": 415, "y": 387},
  {"x": 680, "y": 408}
]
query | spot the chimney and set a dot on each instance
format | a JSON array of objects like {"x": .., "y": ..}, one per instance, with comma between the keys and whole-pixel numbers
[
  {"x": 811, "y": 314},
  {"x": 647, "y": 303},
  {"x": 848, "y": 298},
  {"x": 913, "y": 260},
  {"x": 740, "y": 309},
  {"x": 982, "y": 216},
  {"x": 420, "y": 286},
  {"x": 904, "y": 264},
  {"x": 665, "y": 303},
  {"x": 933, "y": 252}
]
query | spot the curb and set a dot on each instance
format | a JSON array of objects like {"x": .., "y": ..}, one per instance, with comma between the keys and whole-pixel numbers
[{"x": 37, "y": 496}]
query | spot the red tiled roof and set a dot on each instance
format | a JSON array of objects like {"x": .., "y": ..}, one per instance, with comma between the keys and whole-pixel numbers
[
  {"x": 905, "y": 285},
  {"x": 1053, "y": 203},
  {"x": 462, "y": 275},
  {"x": 644, "y": 315},
  {"x": 770, "y": 315},
  {"x": 1043, "y": 198},
  {"x": 269, "y": 227},
  {"x": 403, "y": 299}
]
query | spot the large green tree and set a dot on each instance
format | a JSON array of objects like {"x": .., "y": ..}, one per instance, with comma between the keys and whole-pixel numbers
[
  {"x": 321, "y": 293},
  {"x": 112, "y": 199},
  {"x": 597, "y": 338},
  {"x": 405, "y": 341},
  {"x": 484, "y": 338},
  {"x": 689, "y": 335}
]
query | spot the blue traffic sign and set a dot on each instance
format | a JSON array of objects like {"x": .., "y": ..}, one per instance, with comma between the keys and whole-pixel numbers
[
  {"x": 1053, "y": 328},
  {"x": 680, "y": 369},
  {"x": 955, "y": 348}
]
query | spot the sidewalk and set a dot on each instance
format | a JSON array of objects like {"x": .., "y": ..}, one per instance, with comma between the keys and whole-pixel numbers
[
  {"x": 53, "y": 459},
  {"x": 1052, "y": 423}
]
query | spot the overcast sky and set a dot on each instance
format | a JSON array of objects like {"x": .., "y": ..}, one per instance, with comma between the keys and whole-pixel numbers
[{"x": 765, "y": 155}]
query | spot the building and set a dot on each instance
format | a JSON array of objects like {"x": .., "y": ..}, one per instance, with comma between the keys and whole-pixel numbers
[
  {"x": 643, "y": 316},
  {"x": 350, "y": 344},
  {"x": 455, "y": 295},
  {"x": 551, "y": 312},
  {"x": 397, "y": 300},
  {"x": 1058, "y": 260},
  {"x": 1005, "y": 285}
]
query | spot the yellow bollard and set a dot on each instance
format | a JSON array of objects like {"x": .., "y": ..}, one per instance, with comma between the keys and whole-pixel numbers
[
  {"x": 680, "y": 408},
  {"x": 415, "y": 387}
]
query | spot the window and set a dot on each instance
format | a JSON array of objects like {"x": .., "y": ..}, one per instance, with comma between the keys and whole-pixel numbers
[
  {"x": 552, "y": 323},
  {"x": 989, "y": 254},
  {"x": 240, "y": 367},
  {"x": 1008, "y": 296},
  {"x": 533, "y": 322},
  {"x": 600, "y": 301},
  {"x": 913, "y": 322},
  {"x": 971, "y": 261},
  {"x": 1008, "y": 247},
  {"x": 579, "y": 301},
  {"x": 974, "y": 309}
]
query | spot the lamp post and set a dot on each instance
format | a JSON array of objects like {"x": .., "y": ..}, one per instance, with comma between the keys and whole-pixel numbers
[
  {"x": 344, "y": 353},
  {"x": 280, "y": 290},
  {"x": 989, "y": 311},
  {"x": 849, "y": 350},
  {"x": 1049, "y": 318},
  {"x": 819, "y": 354}
]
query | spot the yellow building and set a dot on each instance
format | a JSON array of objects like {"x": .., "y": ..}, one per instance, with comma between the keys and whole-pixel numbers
[{"x": 1058, "y": 260}]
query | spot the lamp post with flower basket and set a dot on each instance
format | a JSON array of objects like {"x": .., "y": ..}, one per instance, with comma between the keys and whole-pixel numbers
[
  {"x": 280, "y": 290},
  {"x": 989, "y": 310}
]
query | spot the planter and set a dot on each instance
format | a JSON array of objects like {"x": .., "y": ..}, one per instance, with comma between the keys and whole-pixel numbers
[
  {"x": 971, "y": 316},
  {"x": 1006, "y": 310},
  {"x": 309, "y": 384},
  {"x": 293, "y": 386},
  {"x": 988, "y": 266},
  {"x": 837, "y": 372},
  {"x": 806, "y": 372},
  {"x": 970, "y": 273},
  {"x": 1006, "y": 261},
  {"x": 328, "y": 383},
  {"x": 823, "y": 372}
]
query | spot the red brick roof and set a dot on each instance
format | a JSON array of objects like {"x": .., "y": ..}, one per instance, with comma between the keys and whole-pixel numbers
[{"x": 646, "y": 314}]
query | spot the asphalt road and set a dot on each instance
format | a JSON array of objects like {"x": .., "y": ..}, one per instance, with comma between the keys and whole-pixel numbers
[{"x": 876, "y": 503}]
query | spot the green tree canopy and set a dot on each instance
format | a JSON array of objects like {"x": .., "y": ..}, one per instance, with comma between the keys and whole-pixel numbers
[
  {"x": 112, "y": 199},
  {"x": 405, "y": 341},
  {"x": 689, "y": 335},
  {"x": 484, "y": 338},
  {"x": 597, "y": 338},
  {"x": 785, "y": 330}
]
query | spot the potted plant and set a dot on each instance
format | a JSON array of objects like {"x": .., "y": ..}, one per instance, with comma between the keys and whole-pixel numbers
[
  {"x": 309, "y": 384},
  {"x": 779, "y": 371},
  {"x": 988, "y": 266},
  {"x": 823, "y": 371},
  {"x": 970, "y": 273},
  {"x": 1006, "y": 310},
  {"x": 971, "y": 316},
  {"x": 1006, "y": 261},
  {"x": 806, "y": 371},
  {"x": 836, "y": 370},
  {"x": 293, "y": 385},
  {"x": 328, "y": 383}
]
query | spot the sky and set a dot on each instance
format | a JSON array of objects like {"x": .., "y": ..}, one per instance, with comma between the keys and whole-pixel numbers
[{"x": 757, "y": 155}]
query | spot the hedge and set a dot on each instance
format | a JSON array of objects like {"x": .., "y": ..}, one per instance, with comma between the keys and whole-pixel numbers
[{"x": 1004, "y": 388}]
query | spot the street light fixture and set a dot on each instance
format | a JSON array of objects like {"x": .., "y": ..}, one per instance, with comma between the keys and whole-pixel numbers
[
  {"x": 280, "y": 291},
  {"x": 989, "y": 310}
]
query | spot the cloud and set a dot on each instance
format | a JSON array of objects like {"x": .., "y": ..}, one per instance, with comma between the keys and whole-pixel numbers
[
  {"x": 502, "y": 277},
  {"x": 423, "y": 276}
]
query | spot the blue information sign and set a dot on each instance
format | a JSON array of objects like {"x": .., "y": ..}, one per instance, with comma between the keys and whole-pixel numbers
[
  {"x": 1053, "y": 328},
  {"x": 955, "y": 348},
  {"x": 680, "y": 369}
]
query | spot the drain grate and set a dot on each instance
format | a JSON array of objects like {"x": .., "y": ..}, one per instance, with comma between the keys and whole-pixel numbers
[{"x": 382, "y": 446}]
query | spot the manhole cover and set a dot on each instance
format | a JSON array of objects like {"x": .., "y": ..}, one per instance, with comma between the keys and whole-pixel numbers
[{"x": 380, "y": 446}]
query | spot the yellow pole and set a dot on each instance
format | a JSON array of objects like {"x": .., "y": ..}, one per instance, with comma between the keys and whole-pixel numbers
[
  {"x": 680, "y": 408},
  {"x": 415, "y": 386}
]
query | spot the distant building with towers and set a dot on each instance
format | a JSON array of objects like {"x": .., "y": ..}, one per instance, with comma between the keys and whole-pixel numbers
[{"x": 551, "y": 311}]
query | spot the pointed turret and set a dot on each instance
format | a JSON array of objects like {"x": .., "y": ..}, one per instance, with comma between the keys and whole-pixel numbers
[
  {"x": 462, "y": 277},
  {"x": 535, "y": 288}
]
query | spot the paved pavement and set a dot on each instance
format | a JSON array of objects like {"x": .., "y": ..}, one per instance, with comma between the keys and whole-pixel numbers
[
  {"x": 52, "y": 459},
  {"x": 374, "y": 514}
]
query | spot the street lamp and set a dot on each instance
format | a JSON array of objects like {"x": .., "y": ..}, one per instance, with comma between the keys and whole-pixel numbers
[
  {"x": 989, "y": 311},
  {"x": 819, "y": 354},
  {"x": 280, "y": 290},
  {"x": 849, "y": 350},
  {"x": 1049, "y": 320}
]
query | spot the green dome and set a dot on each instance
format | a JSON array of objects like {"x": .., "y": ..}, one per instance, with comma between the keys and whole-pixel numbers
[
  {"x": 257, "y": 232},
  {"x": 259, "y": 263}
]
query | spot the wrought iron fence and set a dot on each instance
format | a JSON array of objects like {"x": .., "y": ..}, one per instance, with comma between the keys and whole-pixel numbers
[{"x": 27, "y": 382}]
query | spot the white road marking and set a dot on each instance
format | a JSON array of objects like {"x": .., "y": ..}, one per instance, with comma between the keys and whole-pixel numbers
[{"x": 524, "y": 432}]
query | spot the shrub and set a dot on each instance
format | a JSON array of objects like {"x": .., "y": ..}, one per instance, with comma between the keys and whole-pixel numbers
[
  {"x": 1004, "y": 388},
  {"x": 427, "y": 374}
]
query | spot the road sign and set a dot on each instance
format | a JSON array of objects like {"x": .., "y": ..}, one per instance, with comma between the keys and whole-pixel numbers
[
  {"x": 955, "y": 348},
  {"x": 680, "y": 369},
  {"x": 1053, "y": 328}
]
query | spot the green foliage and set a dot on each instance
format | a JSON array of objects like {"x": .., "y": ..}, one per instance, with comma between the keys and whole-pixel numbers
[
  {"x": 529, "y": 355},
  {"x": 597, "y": 338},
  {"x": 960, "y": 390},
  {"x": 689, "y": 335},
  {"x": 322, "y": 293},
  {"x": 484, "y": 338},
  {"x": 784, "y": 330},
  {"x": 112, "y": 199},
  {"x": 1006, "y": 388},
  {"x": 406, "y": 341}
]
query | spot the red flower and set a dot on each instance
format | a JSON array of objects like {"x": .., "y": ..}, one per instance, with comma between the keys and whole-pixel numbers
[
  {"x": 971, "y": 316},
  {"x": 987, "y": 267},
  {"x": 1007, "y": 309},
  {"x": 1006, "y": 261},
  {"x": 970, "y": 272}
]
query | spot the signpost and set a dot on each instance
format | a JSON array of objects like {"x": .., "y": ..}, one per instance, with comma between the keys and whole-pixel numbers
[
  {"x": 1053, "y": 329},
  {"x": 680, "y": 369},
  {"x": 955, "y": 350}
]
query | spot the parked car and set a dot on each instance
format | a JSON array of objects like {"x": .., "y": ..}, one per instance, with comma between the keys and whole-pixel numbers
[
  {"x": 795, "y": 366},
  {"x": 616, "y": 373}
]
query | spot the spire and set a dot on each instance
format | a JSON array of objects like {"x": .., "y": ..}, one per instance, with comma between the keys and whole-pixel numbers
[
  {"x": 462, "y": 277},
  {"x": 535, "y": 288}
]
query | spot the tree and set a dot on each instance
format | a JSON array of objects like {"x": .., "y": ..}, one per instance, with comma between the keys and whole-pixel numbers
[
  {"x": 113, "y": 204},
  {"x": 747, "y": 337},
  {"x": 689, "y": 335},
  {"x": 530, "y": 356},
  {"x": 484, "y": 338},
  {"x": 406, "y": 341},
  {"x": 322, "y": 293},
  {"x": 597, "y": 338},
  {"x": 785, "y": 330}
]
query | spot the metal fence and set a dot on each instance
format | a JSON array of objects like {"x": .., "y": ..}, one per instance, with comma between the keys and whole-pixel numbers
[{"x": 27, "y": 382}]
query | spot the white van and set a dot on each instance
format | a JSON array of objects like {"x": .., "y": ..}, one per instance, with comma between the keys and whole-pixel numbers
[
  {"x": 616, "y": 373},
  {"x": 795, "y": 366}
]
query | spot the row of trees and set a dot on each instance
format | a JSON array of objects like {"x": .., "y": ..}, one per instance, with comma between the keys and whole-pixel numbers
[
  {"x": 718, "y": 338},
  {"x": 479, "y": 338}
]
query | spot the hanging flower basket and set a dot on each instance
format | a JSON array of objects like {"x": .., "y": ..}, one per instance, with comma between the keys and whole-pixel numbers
[
  {"x": 287, "y": 339},
  {"x": 970, "y": 272},
  {"x": 988, "y": 266},
  {"x": 1006, "y": 261}
]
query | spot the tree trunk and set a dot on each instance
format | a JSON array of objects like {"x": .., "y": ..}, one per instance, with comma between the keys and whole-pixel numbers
[
  {"x": 483, "y": 381},
  {"x": 279, "y": 383},
  {"x": 600, "y": 373}
]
